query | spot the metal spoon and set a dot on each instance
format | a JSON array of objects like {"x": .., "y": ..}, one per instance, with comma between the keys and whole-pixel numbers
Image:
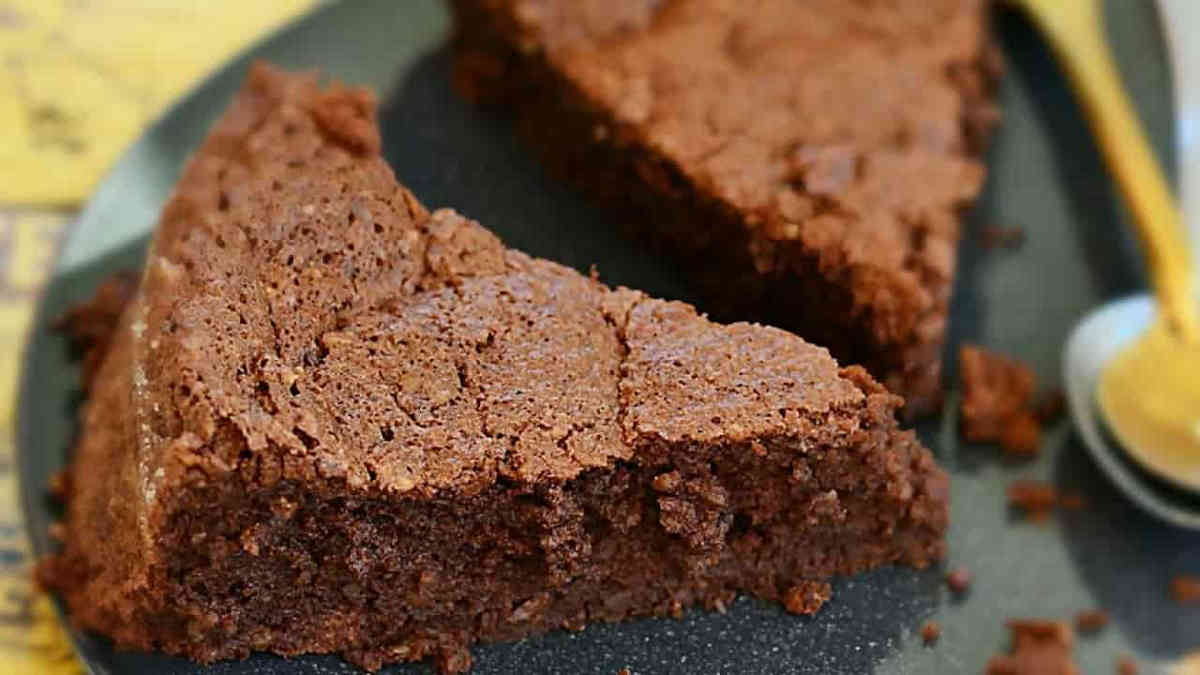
[{"x": 1075, "y": 29}]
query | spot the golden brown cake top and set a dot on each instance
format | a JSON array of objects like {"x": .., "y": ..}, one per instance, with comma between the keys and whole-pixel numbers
[{"x": 302, "y": 316}]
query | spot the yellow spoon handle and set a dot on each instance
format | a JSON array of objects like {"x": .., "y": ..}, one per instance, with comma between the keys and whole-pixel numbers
[{"x": 1075, "y": 30}]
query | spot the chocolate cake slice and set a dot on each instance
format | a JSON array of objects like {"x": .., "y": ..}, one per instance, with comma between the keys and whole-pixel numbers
[
  {"x": 806, "y": 162},
  {"x": 332, "y": 421}
]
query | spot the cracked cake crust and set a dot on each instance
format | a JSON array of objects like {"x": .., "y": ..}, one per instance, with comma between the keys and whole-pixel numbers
[{"x": 330, "y": 420}]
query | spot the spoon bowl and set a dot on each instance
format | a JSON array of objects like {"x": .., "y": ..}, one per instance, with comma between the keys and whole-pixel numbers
[
  {"x": 1146, "y": 377},
  {"x": 1094, "y": 343}
]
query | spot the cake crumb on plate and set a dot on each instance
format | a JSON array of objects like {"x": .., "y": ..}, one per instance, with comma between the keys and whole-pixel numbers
[
  {"x": 1039, "y": 646},
  {"x": 1186, "y": 589},
  {"x": 959, "y": 579},
  {"x": 930, "y": 632},
  {"x": 997, "y": 401},
  {"x": 1091, "y": 620}
]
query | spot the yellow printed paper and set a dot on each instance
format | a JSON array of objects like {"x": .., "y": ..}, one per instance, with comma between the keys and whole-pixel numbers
[
  {"x": 79, "y": 80},
  {"x": 31, "y": 638}
]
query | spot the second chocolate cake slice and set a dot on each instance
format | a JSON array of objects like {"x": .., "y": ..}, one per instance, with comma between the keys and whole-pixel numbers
[
  {"x": 806, "y": 161},
  {"x": 329, "y": 420}
]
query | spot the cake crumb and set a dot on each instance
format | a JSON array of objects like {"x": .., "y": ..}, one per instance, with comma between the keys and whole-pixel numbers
[
  {"x": 807, "y": 597},
  {"x": 1035, "y": 498},
  {"x": 1000, "y": 236},
  {"x": 1022, "y": 436},
  {"x": 1050, "y": 406},
  {"x": 1038, "y": 499},
  {"x": 91, "y": 325},
  {"x": 1038, "y": 646},
  {"x": 1186, "y": 589},
  {"x": 59, "y": 485},
  {"x": 1091, "y": 620},
  {"x": 1072, "y": 500},
  {"x": 1126, "y": 665},
  {"x": 959, "y": 579},
  {"x": 930, "y": 632},
  {"x": 997, "y": 401}
]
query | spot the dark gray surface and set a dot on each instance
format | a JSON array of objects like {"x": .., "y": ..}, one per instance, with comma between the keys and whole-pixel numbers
[{"x": 1045, "y": 176}]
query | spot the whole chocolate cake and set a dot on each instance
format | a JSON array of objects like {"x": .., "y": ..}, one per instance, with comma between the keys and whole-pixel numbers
[
  {"x": 806, "y": 162},
  {"x": 329, "y": 420}
]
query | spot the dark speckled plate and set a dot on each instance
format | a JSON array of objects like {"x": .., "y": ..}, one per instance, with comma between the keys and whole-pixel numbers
[{"x": 1045, "y": 176}]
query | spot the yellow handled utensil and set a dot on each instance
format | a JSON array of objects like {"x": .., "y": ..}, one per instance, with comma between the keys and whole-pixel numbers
[
  {"x": 1149, "y": 393},
  {"x": 1075, "y": 30}
]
